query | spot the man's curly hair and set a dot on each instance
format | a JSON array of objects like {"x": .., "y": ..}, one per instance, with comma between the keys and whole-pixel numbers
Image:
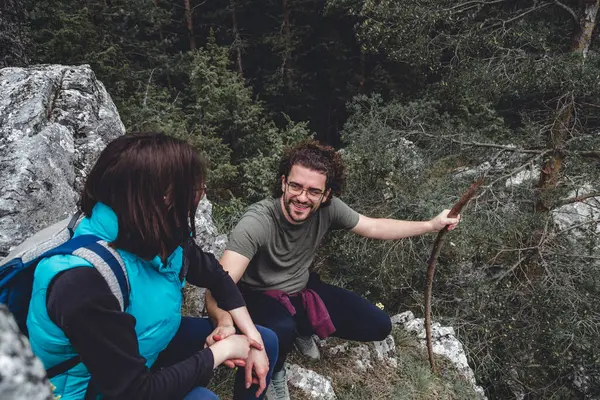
[{"x": 318, "y": 157}]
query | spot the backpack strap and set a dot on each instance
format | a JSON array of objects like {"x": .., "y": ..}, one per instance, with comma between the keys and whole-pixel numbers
[
  {"x": 108, "y": 262},
  {"x": 110, "y": 265},
  {"x": 73, "y": 223},
  {"x": 104, "y": 258}
]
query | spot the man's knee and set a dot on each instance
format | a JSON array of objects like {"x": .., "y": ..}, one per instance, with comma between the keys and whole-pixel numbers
[
  {"x": 382, "y": 326},
  {"x": 284, "y": 329}
]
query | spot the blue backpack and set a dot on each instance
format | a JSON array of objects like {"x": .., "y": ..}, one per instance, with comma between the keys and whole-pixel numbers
[{"x": 16, "y": 271}]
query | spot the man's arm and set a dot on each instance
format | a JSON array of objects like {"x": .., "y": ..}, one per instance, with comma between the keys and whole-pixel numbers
[{"x": 390, "y": 229}]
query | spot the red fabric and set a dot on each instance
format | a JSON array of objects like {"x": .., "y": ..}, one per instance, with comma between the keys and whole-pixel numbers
[{"x": 317, "y": 313}]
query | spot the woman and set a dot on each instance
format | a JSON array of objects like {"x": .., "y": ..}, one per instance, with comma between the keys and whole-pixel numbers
[{"x": 141, "y": 197}]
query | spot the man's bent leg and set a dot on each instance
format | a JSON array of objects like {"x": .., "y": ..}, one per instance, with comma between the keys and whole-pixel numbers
[
  {"x": 271, "y": 348},
  {"x": 354, "y": 317},
  {"x": 267, "y": 312}
]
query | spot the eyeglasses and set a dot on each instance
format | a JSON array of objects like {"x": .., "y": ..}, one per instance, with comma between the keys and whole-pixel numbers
[{"x": 311, "y": 193}]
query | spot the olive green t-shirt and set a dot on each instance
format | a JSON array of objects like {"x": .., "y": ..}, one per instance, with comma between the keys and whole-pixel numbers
[{"x": 280, "y": 252}]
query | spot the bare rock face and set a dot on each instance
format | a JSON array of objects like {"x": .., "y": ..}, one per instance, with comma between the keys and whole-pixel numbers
[
  {"x": 22, "y": 375},
  {"x": 54, "y": 121}
]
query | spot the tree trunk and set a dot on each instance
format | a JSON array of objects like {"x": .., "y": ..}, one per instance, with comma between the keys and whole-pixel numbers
[
  {"x": 361, "y": 76},
  {"x": 236, "y": 39},
  {"x": 564, "y": 120},
  {"x": 287, "y": 40},
  {"x": 582, "y": 37},
  {"x": 160, "y": 33},
  {"x": 190, "y": 24},
  {"x": 561, "y": 126}
]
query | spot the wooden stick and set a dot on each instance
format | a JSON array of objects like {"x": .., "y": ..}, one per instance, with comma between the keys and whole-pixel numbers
[{"x": 437, "y": 247}]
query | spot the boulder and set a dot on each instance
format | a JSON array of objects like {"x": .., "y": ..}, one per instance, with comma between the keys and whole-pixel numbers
[
  {"x": 315, "y": 386},
  {"x": 209, "y": 240},
  {"x": 54, "y": 121},
  {"x": 22, "y": 375}
]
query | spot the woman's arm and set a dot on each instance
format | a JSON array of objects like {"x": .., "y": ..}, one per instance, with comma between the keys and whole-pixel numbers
[{"x": 80, "y": 302}]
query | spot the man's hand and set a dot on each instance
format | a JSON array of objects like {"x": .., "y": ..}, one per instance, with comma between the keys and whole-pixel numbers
[
  {"x": 439, "y": 222},
  {"x": 257, "y": 363},
  {"x": 220, "y": 333}
]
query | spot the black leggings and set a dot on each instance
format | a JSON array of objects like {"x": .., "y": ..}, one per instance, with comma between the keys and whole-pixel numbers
[{"x": 354, "y": 317}]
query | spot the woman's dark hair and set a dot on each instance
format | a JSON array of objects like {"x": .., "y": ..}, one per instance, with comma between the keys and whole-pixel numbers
[
  {"x": 318, "y": 157},
  {"x": 152, "y": 183}
]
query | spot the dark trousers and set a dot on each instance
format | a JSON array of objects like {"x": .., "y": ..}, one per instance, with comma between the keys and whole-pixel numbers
[
  {"x": 354, "y": 317},
  {"x": 191, "y": 337}
]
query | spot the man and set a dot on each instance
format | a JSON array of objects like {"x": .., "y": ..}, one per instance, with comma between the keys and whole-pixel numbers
[{"x": 272, "y": 247}]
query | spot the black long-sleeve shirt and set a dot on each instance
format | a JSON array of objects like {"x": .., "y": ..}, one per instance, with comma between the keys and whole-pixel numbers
[{"x": 80, "y": 302}]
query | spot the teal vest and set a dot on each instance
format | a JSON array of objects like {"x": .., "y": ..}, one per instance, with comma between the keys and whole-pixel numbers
[{"x": 154, "y": 300}]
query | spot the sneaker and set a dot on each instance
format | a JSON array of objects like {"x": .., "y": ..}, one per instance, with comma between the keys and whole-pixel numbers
[
  {"x": 278, "y": 388},
  {"x": 306, "y": 346}
]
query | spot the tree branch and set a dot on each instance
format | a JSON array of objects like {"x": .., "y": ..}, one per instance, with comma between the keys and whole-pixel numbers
[
  {"x": 515, "y": 18},
  {"x": 148, "y": 86},
  {"x": 568, "y": 9},
  {"x": 437, "y": 247},
  {"x": 474, "y": 2},
  {"x": 593, "y": 154},
  {"x": 578, "y": 199},
  {"x": 483, "y": 144}
]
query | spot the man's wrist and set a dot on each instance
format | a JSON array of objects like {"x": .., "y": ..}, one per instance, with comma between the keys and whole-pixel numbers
[
  {"x": 224, "y": 319},
  {"x": 430, "y": 226},
  {"x": 255, "y": 334}
]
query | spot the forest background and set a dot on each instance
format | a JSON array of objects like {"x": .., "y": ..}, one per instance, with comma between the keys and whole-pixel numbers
[{"x": 423, "y": 96}]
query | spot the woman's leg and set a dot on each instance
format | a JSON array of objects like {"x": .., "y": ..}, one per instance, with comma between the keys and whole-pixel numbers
[
  {"x": 201, "y": 393},
  {"x": 271, "y": 347},
  {"x": 189, "y": 339}
]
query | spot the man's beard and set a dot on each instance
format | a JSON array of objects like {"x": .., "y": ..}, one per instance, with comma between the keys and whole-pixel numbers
[{"x": 290, "y": 210}]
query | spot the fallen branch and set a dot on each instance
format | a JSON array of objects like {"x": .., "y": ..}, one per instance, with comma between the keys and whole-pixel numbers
[
  {"x": 480, "y": 144},
  {"x": 578, "y": 199},
  {"x": 437, "y": 247}
]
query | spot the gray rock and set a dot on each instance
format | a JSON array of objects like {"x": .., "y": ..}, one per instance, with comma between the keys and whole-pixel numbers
[
  {"x": 316, "y": 386},
  {"x": 402, "y": 318},
  {"x": 526, "y": 176},
  {"x": 208, "y": 238},
  {"x": 580, "y": 216},
  {"x": 385, "y": 351},
  {"x": 22, "y": 375},
  {"x": 338, "y": 350},
  {"x": 362, "y": 358},
  {"x": 54, "y": 121}
]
